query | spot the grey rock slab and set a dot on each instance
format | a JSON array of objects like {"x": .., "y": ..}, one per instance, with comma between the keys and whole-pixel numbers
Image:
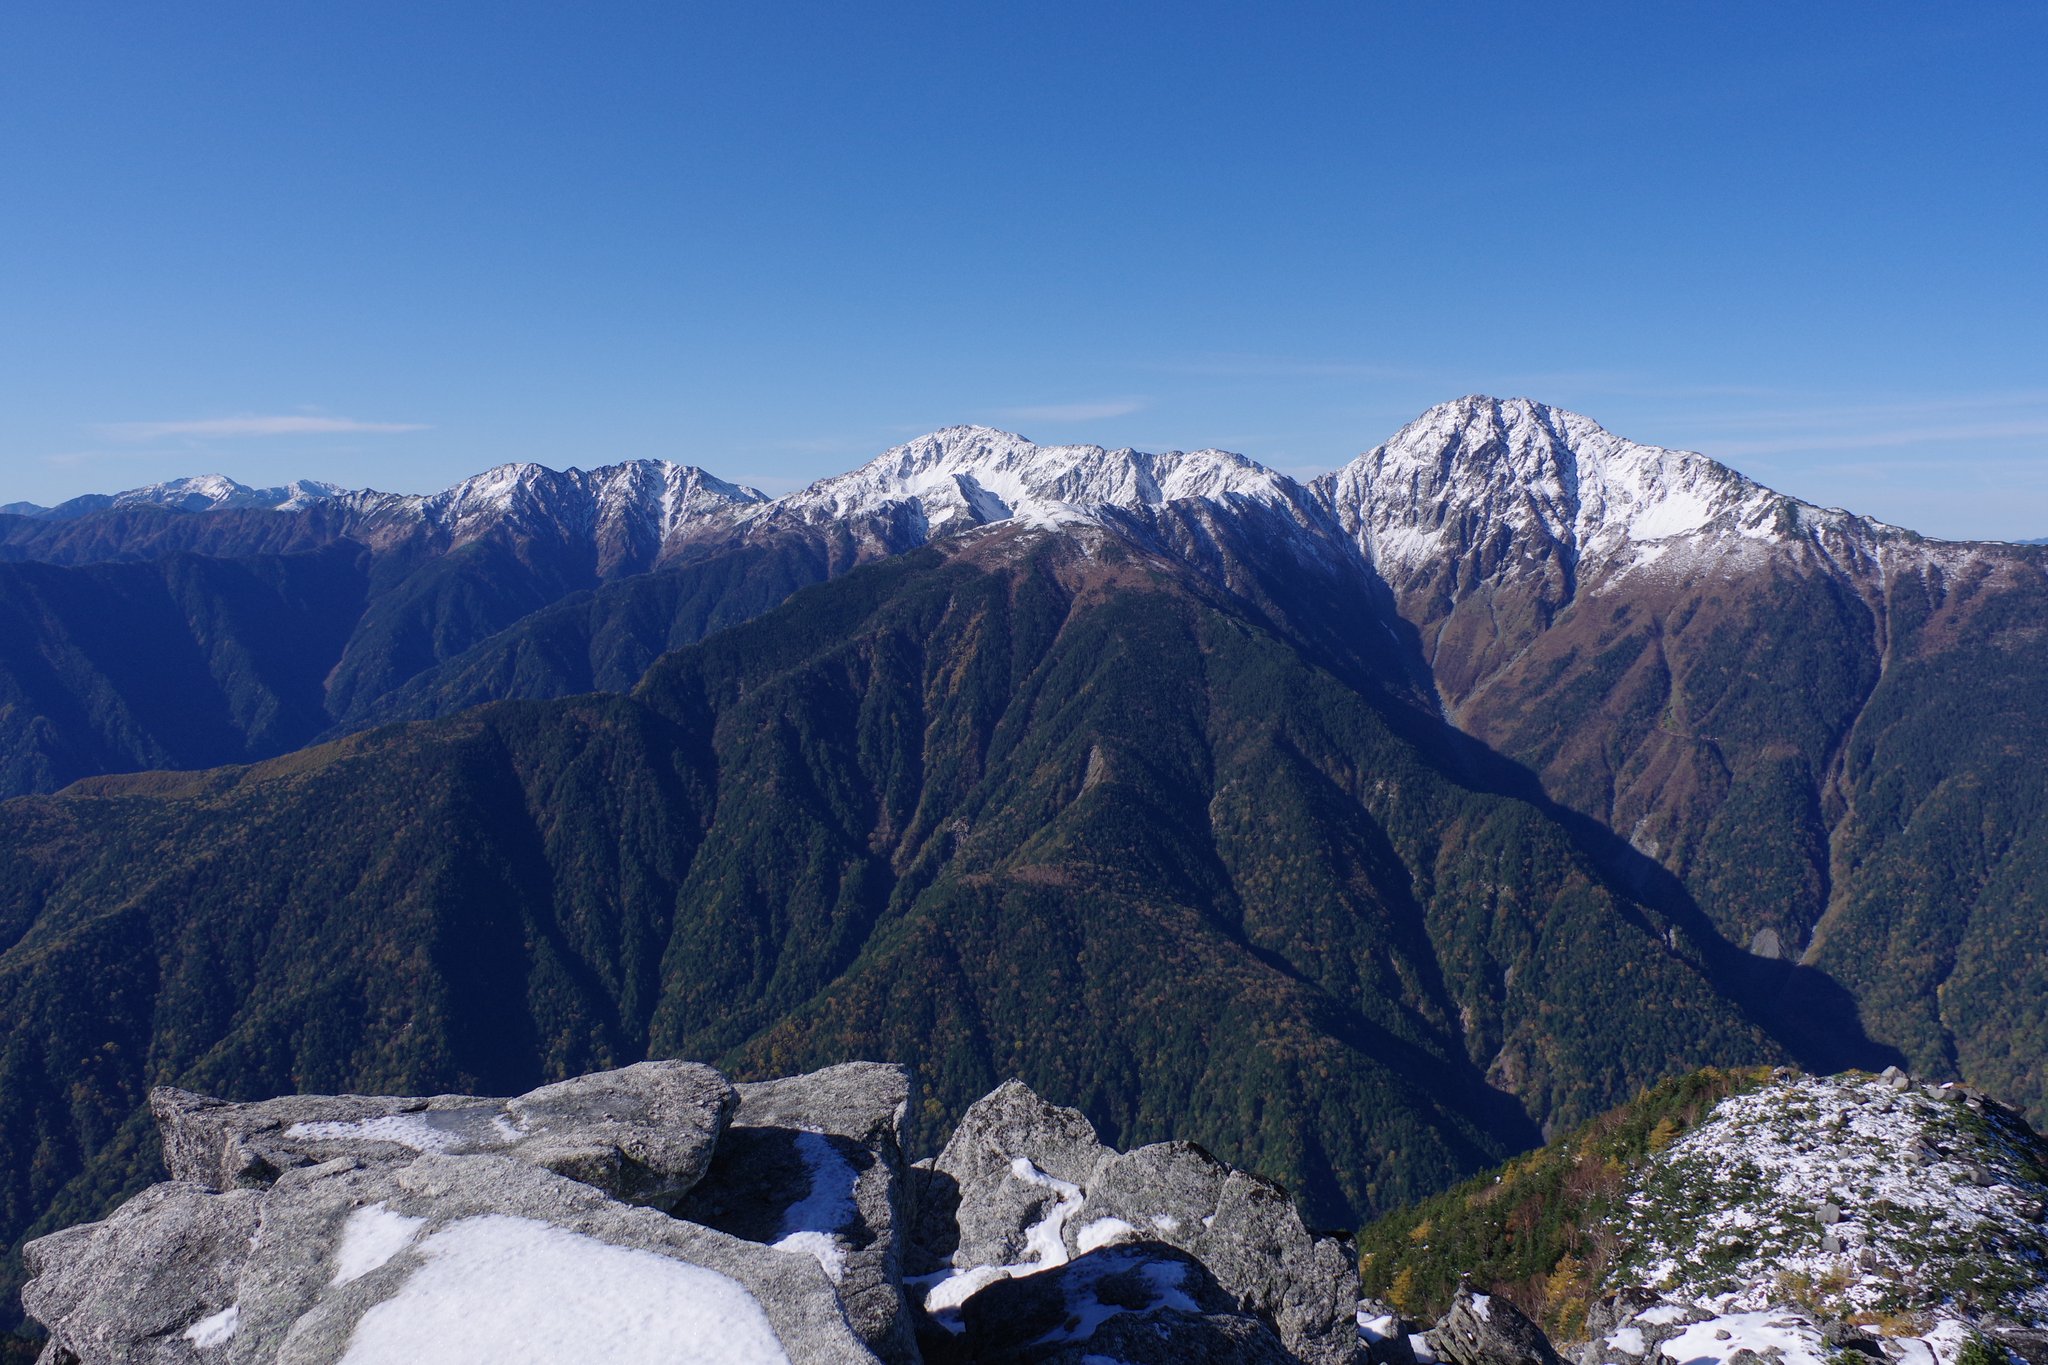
[
  {"x": 1483, "y": 1329},
  {"x": 1034, "y": 1188},
  {"x": 348, "y": 1259},
  {"x": 865, "y": 1101},
  {"x": 1142, "y": 1303},
  {"x": 643, "y": 1133},
  {"x": 1019, "y": 1165},
  {"x": 130, "y": 1287},
  {"x": 814, "y": 1163},
  {"x": 1243, "y": 1228},
  {"x": 1621, "y": 1308}
]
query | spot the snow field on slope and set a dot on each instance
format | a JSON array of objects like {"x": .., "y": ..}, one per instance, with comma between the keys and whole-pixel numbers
[{"x": 1730, "y": 1215}]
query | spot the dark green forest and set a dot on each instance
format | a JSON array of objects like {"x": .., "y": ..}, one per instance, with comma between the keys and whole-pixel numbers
[
  {"x": 1366, "y": 886},
  {"x": 1067, "y": 817}
]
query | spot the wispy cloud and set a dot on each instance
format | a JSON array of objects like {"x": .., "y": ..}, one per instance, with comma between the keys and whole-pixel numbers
[
  {"x": 251, "y": 425},
  {"x": 1239, "y": 365},
  {"x": 1836, "y": 411},
  {"x": 1884, "y": 438},
  {"x": 1074, "y": 412}
]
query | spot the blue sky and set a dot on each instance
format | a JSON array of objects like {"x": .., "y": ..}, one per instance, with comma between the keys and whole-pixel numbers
[{"x": 392, "y": 244}]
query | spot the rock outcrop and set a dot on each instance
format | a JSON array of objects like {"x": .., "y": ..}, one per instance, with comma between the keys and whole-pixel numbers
[
  {"x": 1485, "y": 1329},
  {"x": 1026, "y": 1187},
  {"x": 1141, "y": 1303},
  {"x": 643, "y": 1134},
  {"x": 813, "y": 1163},
  {"x": 659, "y": 1213},
  {"x": 443, "y": 1258}
]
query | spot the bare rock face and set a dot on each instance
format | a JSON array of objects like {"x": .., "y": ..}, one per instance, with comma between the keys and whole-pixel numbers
[
  {"x": 1244, "y": 1228},
  {"x": 659, "y": 1214},
  {"x": 814, "y": 1164},
  {"x": 1141, "y": 1303},
  {"x": 1024, "y": 1188},
  {"x": 444, "y": 1257},
  {"x": 1485, "y": 1329},
  {"x": 1629, "y": 1326},
  {"x": 167, "y": 1260},
  {"x": 642, "y": 1133},
  {"x": 1016, "y": 1162}
]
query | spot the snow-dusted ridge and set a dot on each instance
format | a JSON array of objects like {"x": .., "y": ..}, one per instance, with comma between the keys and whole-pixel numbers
[
  {"x": 1499, "y": 481},
  {"x": 975, "y": 476},
  {"x": 1560, "y": 484},
  {"x": 1900, "y": 1197},
  {"x": 657, "y": 492}
]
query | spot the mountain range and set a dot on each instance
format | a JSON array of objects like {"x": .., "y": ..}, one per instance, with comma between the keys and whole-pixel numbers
[{"x": 1365, "y": 830}]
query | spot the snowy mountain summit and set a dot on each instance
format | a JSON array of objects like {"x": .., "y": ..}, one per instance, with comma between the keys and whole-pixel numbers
[
  {"x": 965, "y": 477},
  {"x": 1475, "y": 494},
  {"x": 203, "y": 493},
  {"x": 1545, "y": 476}
]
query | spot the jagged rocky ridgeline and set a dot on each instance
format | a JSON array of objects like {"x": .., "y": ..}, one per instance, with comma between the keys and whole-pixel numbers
[{"x": 660, "y": 1213}]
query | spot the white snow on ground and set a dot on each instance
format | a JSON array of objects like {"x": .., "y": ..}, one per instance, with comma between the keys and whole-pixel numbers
[
  {"x": 1482, "y": 1307},
  {"x": 1729, "y": 1216},
  {"x": 1045, "y": 1240},
  {"x": 1939, "y": 1347},
  {"x": 955, "y": 1287},
  {"x": 372, "y": 1236},
  {"x": 497, "y": 1290},
  {"x": 810, "y": 1224},
  {"x": 826, "y": 1249},
  {"x": 1379, "y": 1328},
  {"x": 1705, "y": 1343},
  {"x": 1628, "y": 1339},
  {"x": 1100, "y": 1233},
  {"x": 407, "y": 1130},
  {"x": 966, "y": 476},
  {"x": 216, "y": 1330},
  {"x": 1794, "y": 1333},
  {"x": 1085, "y": 1309},
  {"x": 1044, "y": 1243},
  {"x": 1676, "y": 514},
  {"x": 1663, "y": 1314}
]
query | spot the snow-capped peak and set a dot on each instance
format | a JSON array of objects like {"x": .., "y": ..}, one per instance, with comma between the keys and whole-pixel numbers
[
  {"x": 636, "y": 507},
  {"x": 967, "y": 476},
  {"x": 208, "y": 492},
  {"x": 1541, "y": 473}
]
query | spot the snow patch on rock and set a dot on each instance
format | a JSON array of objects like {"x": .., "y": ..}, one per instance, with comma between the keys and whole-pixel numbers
[
  {"x": 811, "y": 1224},
  {"x": 216, "y": 1330},
  {"x": 500, "y": 1290},
  {"x": 370, "y": 1238}
]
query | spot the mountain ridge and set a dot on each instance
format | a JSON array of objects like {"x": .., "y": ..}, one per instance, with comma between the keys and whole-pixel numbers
[
  {"x": 1014, "y": 476},
  {"x": 1320, "y": 822}
]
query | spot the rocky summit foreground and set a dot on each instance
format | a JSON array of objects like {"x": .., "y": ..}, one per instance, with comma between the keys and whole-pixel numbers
[{"x": 660, "y": 1213}]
